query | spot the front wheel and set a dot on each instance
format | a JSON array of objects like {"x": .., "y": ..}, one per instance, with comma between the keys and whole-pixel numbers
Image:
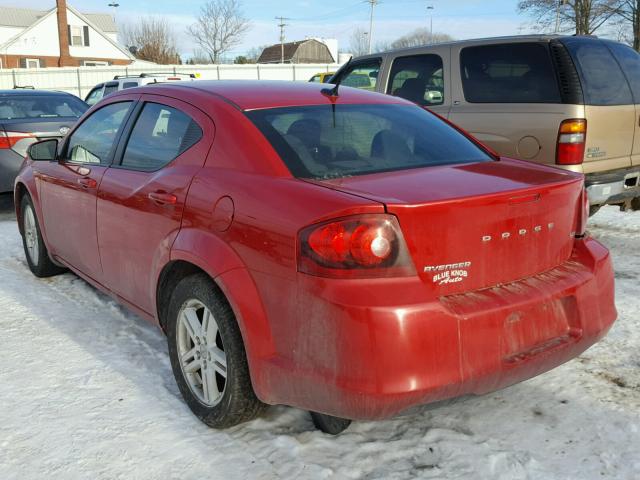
[
  {"x": 208, "y": 356},
  {"x": 35, "y": 250}
]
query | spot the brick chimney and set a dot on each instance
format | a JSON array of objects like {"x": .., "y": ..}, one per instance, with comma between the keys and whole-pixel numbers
[{"x": 63, "y": 34}]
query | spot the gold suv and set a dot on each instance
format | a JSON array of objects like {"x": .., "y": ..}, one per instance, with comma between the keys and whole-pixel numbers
[{"x": 572, "y": 101}]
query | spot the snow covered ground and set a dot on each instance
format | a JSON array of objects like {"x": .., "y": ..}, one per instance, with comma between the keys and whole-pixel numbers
[{"x": 86, "y": 392}]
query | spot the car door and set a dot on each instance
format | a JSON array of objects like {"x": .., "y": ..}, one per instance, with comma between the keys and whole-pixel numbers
[
  {"x": 423, "y": 79},
  {"x": 142, "y": 196},
  {"x": 68, "y": 187}
]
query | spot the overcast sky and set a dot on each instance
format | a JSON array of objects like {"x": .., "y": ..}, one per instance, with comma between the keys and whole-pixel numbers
[{"x": 325, "y": 18}]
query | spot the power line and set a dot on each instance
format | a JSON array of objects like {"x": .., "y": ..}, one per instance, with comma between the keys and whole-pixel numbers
[{"x": 282, "y": 37}]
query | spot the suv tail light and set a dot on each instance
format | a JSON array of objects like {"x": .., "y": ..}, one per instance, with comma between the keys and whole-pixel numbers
[
  {"x": 355, "y": 247},
  {"x": 8, "y": 140},
  {"x": 583, "y": 214},
  {"x": 572, "y": 136}
]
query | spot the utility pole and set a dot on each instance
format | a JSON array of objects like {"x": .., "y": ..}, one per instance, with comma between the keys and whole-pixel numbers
[
  {"x": 115, "y": 6},
  {"x": 430, "y": 10},
  {"x": 282, "y": 25},
  {"x": 373, "y": 3}
]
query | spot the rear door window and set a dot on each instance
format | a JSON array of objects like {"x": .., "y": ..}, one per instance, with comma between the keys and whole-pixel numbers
[
  {"x": 418, "y": 78},
  {"x": 362, "y": 75},
  {"x": 629, "y": 60},
  {"x": 602, "y": 79},
  {"x": 161, "y": 134},
  {"x": 509, "y": 73}
]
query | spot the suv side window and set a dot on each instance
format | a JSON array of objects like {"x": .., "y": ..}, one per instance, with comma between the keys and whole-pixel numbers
[
  {"x": 110, "y": 88},
  {"x": 362, "y": 75},
  {"x": 509, "y": 73},
  {"x": 129, "y": 85},
  {"x": 602, "y": 80},
  {"x": 92, "y": 142},
  {"x": 418, "y": 78},
  {"x": 629, "y": 60},
  {"x": 161, "y": 134},
  {"x": 95, "y": 95}
]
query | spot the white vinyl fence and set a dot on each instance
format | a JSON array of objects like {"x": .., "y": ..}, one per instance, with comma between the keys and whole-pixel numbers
[{"x": 80, "y": 80}]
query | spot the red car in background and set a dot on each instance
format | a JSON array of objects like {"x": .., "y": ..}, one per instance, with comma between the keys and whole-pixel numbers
[{"x": 341, "y": 251}]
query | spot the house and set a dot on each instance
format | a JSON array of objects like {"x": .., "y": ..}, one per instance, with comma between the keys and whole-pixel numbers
[
  {"x": 305, "y": 51},
  {"x": 60, "y": 37}
]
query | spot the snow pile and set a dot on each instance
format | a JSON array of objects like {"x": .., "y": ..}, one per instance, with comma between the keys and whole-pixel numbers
[{"x": 86, "y": 391}]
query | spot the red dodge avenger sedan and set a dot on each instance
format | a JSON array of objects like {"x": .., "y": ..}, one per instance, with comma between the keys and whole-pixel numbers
[{"x": 337, "y": 250}]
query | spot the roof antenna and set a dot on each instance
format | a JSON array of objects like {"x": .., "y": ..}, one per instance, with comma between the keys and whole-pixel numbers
[{"x": 333, "y": 92}]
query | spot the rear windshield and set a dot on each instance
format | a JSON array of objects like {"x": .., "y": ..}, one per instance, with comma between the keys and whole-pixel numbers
[
  {"x": 509, "y": 73},
  {"x": 53, "y": 106},
  {"x": 332, "y": 142},
  {"x": 602, "y": 79}
]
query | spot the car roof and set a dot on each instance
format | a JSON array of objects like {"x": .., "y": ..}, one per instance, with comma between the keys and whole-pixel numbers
[
  {"x": 475, "y": 41},
  {"x": 31, "y": 93},
  {"x": 259, "y": 94}
]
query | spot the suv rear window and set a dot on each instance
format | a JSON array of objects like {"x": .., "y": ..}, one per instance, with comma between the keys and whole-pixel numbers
[
  {"x": 324, "y": 142},
  {"x": 45, "y": 106},
  {"x": 602, "y": 79},
  {"x": 509, "y": 73}
]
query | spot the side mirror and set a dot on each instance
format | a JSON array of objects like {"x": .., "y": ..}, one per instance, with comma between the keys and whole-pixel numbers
[{"x": 43, "y": 151}]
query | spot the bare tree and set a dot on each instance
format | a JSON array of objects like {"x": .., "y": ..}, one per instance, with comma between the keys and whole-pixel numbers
[
  {"x": 420, "y": 36},
  {"x": 151, "y": 39},
  {"x": 628, "y": 13},
  {"x": 582, "y": 16},
  {"x": 219, "y": 27},
  {"x": 359, "y": 42}
]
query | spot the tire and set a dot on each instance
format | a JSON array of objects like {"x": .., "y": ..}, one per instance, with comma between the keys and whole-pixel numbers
[
  {"x": 593, "y": 209},
  {"x": 635, "y": 204},
  {"x": 35, "y": 250},
  {"x": 214, "y": 376},
  {"x": 329, "y": 424}
]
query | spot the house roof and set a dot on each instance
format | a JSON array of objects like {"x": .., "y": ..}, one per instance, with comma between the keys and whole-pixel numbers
[
  {"x": 273, "y": 54},
  {"x": 25, "y": 17}
]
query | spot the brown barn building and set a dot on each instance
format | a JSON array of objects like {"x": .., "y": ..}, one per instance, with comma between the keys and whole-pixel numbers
[{"x": 305, "y": 51}]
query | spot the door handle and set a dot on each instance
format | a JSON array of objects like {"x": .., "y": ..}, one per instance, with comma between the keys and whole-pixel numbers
[
  {"x": 163, "y": 198},
  {"x": 87, "y": 183}
]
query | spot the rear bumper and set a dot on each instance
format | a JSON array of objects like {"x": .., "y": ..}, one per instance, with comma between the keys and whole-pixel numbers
[
  {"x": 374, "y": 353},
  {"x": 10, "y": 164},
  {"x": 613, "y": 187}
]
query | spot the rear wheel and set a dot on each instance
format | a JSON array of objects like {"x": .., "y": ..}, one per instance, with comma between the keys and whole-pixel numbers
[
  {"x": 208, "y": 356},
  {"x": 635, "y": 204},
  {"x": 329, "y": 424},
  {"x": 35, "y": 250}
]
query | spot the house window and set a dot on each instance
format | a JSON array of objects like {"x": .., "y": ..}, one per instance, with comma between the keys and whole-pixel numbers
[
  {"x": 77, "y": 39},
  {"x": 33, "y": 63}
]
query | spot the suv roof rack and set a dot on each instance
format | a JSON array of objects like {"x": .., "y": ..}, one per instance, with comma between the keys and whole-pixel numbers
[{"x": 156, "y": 74}]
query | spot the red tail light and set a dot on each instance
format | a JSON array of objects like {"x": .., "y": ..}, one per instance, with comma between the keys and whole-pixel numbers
[
  {"x": 355, "y": 247},
  {"x": 9, "y": 139},
  {"x": 572, "y": 136}
]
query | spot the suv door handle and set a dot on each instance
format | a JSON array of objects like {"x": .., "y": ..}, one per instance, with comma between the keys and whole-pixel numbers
[
  {"x": 87, "y": 183},
  {"x": 163, "y": 198}
]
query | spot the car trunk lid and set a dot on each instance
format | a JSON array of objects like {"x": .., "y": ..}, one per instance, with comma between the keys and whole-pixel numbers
[{"x": 474, "y": 226}]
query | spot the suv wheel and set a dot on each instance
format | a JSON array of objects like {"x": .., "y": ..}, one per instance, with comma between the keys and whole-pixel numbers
[
  {"x": 329, "y": 424},
  {"x": 35, "y": 250},
  {"x": 208, "y": 356},
  {"x": 635, "y": 204}
]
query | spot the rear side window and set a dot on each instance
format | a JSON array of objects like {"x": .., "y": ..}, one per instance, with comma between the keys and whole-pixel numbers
[
  {"x": 629, "y": 60},
  {"x": 161, "y": 134},
  {"x": 418, "y": 78},
  {"x": 41, "y": 106},
  {"x": 362, "y": 75},
  {"x": 129, "y": 85},
  {"x": 602, "y": 79},
  {"x": 509, "y": 73}
]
